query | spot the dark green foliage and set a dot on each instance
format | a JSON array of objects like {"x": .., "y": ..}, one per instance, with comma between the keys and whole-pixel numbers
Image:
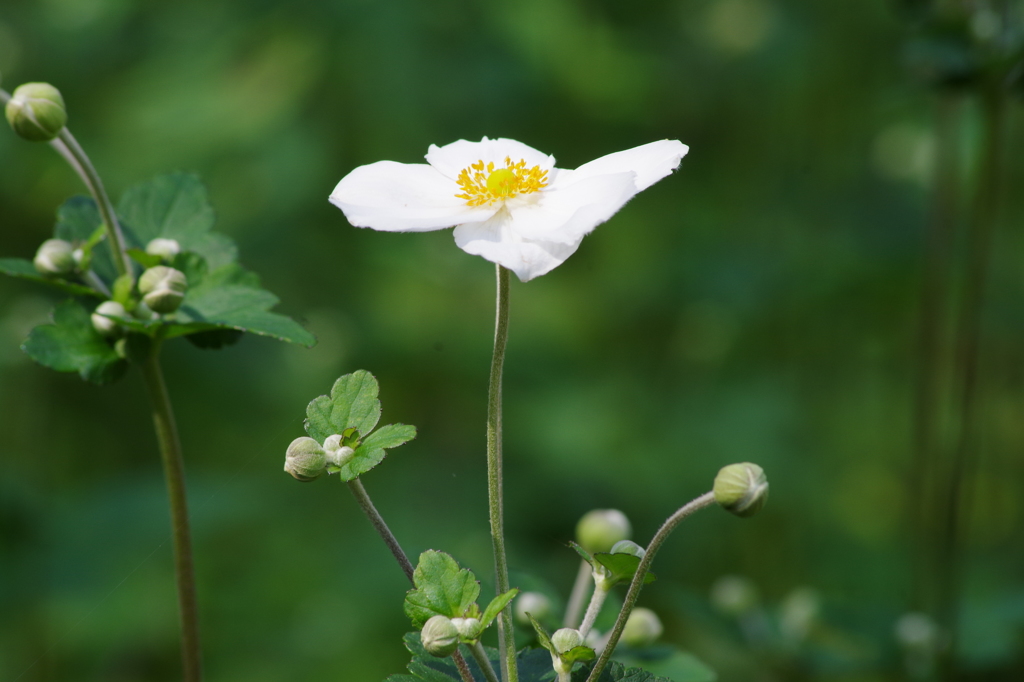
[
  {"x": 71, "y": 344},
  {"x": 442, "y": 589}
]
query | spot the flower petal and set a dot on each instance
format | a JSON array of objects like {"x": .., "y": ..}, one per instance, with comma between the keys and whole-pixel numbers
[
  {"x": 651, "y": 162},
  {"x": 495, "y": 240},
  {"x": 402, "y": 197},
  {"x": 452, "y": 158},
  {"x": 565, "y": 214}
]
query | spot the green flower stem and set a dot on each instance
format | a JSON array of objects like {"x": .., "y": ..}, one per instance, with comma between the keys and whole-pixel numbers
[
  {"x": 506, "y": 634},
  {"x": 481, "y": 659},
  {"x": 363, "y": 498},
  {"x": 705, "y": 500},
  {"x": 578, "y": 594},
  {"x": 174, "y": 473},
  {"x": 93, "y": 280},
  {"x": 565, "y": 676},
  {"x": 596, "y": 602},
  {"x": 91, "y": 178}
]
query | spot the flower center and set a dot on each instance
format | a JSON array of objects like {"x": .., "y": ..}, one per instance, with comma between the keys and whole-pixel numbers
[{"x": 483, "y": 183}]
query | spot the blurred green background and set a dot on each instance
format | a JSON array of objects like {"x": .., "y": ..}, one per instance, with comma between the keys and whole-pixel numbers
[{"x": 761, "y": 304}]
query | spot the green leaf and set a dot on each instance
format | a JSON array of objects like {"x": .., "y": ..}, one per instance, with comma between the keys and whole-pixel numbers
[
  {"x": 146, "y": 260},
  {"x": 23, "y": 269},
  {"x": 534, "y": 663},
  {"x": 543, "y": 638},
  {"x": 622, "y": 566},
  {"x": 176, "y": 207},
  {"x": 496, "y": 606},
  {"x": 122, "y": 291},
  {"x": 579, "y": 653},
  {"x": 372, "y": 450},
  {"x": 582, "y": 552},
  {"x": 442, "y": 588},
  {"x": 79, "y": 222},
  {"x": 669, "y": 662},
  {"x": 71, "y": 344},
  {"x": 353, "y": 403}
]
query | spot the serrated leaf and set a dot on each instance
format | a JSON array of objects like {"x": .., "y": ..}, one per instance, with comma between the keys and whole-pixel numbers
[
  {"x": 622, "y": 566},
  {"x": 176, "y": 207},
  {"x": 71, "y": 344},
  {"x": 373, "y": 450},
  {"x": 496, "y": 606},
  {"x": 355, "y": 403},
  {"x": 422, "y": 671},
  {"x": 23, "y": 269},
  {"x": 442, "y": 588}
]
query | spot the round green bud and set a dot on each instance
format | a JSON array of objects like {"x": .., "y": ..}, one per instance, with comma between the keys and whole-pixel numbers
[
  {"x": 36, "y": 112},
  {"x": 439, "y": 636},
  {"x": 566, "y": 639},
  {"x": 164, "y": 248},
  {"x": 643, "y": 628},
  {"x": 163, "y": 288},
  {"x": 337, "y": 454},
  {"x": 628, "y": 547},
  {"x": 733, "y": 595},
  {"x": 599, "y": 529},
  {"x": 469, "y": 629},
  {"x": 533, "y": 603},
  {"x": 55, "y": 257},
  {"x": 305, "y": 460},
  {"x": 741, "y": 488},
  {"x": 104, "y": 325}
]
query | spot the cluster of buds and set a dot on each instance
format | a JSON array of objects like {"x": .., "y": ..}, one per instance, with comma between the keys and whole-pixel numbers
[{"x": 306, "y": 460}]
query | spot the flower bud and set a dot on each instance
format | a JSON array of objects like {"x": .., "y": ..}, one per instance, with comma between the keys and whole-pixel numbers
[
  {"x": 733, "y": 595},
  {"x": 55, "y": 257},
  {"x": 566, "y": 639},
  {"x": 163, "y": 288},
  {"x": 305, "y": 459},
  {"x": 104, "y": 325},
  {"x": 628, "y": 547},
  {"x": 165, "y": 248},
  {"x": 439, "y": 636},
  {"x": 533, "y": 603},
  {"x": 741, "y": 488},
  {"x": 469, "y": 628},
  {"x": 643, "y": 628},
  {"x": 599, "y": 529},
  {"x": 36, "y": 112},
  {"x": 337, "y": 454}
]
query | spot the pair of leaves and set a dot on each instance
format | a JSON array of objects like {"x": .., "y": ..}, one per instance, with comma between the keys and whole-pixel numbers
[
  {"x": 620, "y": 566},
  {"x": 444, "y": 589},
  {"x": 353, "y": 404}
]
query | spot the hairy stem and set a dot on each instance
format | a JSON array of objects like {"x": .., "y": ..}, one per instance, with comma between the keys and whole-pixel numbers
[
  {"x": 578, "y": 594},
  {"x": 174, "y": 473},
  {"x": 366, "y": 504},
  {"x": 506, "y": 641},
  {"x": 481, "y": 659},
  {"x": 705, "y": 500},
  {"x": 594, "y": 608}
]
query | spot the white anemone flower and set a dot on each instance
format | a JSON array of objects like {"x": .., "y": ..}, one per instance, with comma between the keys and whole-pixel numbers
[{"x": 507, "y": 201}]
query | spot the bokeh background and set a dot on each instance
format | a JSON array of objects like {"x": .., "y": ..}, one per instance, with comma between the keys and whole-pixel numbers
[{"x": 761, "y": 304}]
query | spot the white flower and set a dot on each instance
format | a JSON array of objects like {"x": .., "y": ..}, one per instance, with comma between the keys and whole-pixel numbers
[{"x": 507, "y": 201}]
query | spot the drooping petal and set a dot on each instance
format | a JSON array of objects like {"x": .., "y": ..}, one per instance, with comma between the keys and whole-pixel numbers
[
  {"x": 452, "y": 158},
  {"x": 564, "y": 215},
  {"x": 496, "y": 241},
  {"x": 402, "y": 197},
  {"x": 651, "y": 162}
]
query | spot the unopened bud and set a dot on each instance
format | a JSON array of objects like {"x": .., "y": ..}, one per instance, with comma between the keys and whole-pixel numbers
[
  {"x": 163, "y": 288},
  {"x": 439, "y": 636},
  {"x": 628, "y": 547},
  {"x": 469, "y": 629},
  {"x": 338, "y": 455},
  {"x": 733, "y": 595},
  {"x": 741, "y": 488},
  {"x": 533, "y": 603},
  {"x": 36, "y": 112},
  {"x": 643, "y": 628},
  {"x": 566, "y": 639},
  {"x": 164, "y": 248},
  {"x": 599, "y": 529},
  {"x": 305, "y": 459},
  {"x": 105, "y": 325},
  {"x": 55, "y": 257}
]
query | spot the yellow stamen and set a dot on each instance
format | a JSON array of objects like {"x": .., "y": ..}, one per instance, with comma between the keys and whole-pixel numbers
[{"x": 483, "y": 184}]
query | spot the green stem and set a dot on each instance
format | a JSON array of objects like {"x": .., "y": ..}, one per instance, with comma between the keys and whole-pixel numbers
[
  {"x": 92, "y": 180},
  {"x": 363, "y": 498},
  {"x": 174, "y": 473},
  {"x": 705, "y": 500},
  {"x": 578, "y": 594},
  {"x": 594, "y": 608},
  {"x": 506, "y": 635},
  {"x": 481, "y": 659}
]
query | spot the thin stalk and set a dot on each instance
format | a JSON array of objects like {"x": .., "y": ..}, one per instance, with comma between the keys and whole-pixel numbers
[
  {"x": 363, "y": 498},
  {"x": 705, "y": 500},
  {"x": 481, "y": 659},
  {"x": 174, "y": 473},
  {"x": 93, "y": 280},
  {"x": 578, "y": 594},
  {"x": 92, "y": 180},
  {"x": 594, "y": 608},
  {"x": 983, "y": 221},
  {"x": 506, "y": 635}
]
